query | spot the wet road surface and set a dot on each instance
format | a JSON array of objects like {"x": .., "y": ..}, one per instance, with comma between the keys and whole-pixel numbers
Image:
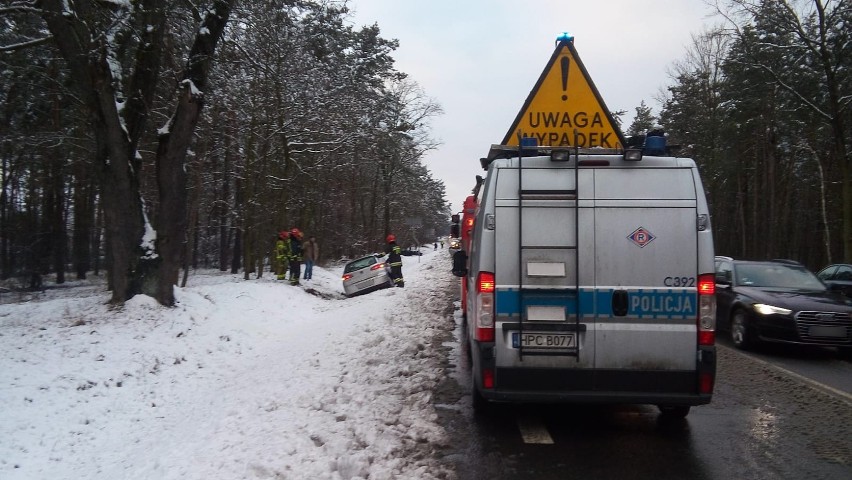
[{"x": 762, "y": 424}]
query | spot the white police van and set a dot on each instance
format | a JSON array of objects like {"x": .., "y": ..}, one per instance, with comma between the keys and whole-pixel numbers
[
  {"x": 591, "y": 279},
  {"x": 590, "y": 273}
]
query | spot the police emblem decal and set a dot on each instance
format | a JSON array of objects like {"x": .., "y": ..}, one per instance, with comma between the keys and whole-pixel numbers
[{"x": 641, "y": 236}]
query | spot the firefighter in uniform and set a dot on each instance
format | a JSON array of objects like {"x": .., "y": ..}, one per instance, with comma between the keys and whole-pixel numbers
[
  {"x": 295, "y": 255},
  {"x": 281, "y": 255},
  {"x": 395, "y": 261}
]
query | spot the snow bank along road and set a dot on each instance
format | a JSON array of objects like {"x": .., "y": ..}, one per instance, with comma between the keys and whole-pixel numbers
[{"x": 243, "y": 379}]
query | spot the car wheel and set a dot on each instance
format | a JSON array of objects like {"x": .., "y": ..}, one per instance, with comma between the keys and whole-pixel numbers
[
  {"x": 674, "y": 411},
  {"x": 739, "y": 330}
]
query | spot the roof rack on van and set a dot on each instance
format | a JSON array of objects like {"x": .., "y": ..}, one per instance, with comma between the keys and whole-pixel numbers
[{"x": 512, "y": 151}]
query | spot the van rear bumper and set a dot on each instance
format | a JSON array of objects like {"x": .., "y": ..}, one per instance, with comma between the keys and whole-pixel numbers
[{"x": 596, "y": 386}]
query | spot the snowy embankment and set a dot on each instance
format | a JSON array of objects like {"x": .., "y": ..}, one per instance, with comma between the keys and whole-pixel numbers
[{"x": 243, "y": 379}]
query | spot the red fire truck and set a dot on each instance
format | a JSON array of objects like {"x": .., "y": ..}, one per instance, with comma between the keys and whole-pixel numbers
[{"x": 464, "y": 226}]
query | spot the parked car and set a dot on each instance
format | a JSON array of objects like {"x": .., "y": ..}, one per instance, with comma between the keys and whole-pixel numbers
[
  {"x": 838, "y": 277},
  {"x": 779, "y": 301},
  {"x": 365, "y": 275}
]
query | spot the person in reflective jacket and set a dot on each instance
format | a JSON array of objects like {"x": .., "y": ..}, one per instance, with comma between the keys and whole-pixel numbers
[
  {"x": 395, "y": 261},
  {"x": 295, "y": 255},
  {"x": 281, "y": 255}
]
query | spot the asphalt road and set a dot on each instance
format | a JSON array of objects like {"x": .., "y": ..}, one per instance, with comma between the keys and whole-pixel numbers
[
  {"x": 822, "y": 368},
  {"x": 774, "y": 415}
]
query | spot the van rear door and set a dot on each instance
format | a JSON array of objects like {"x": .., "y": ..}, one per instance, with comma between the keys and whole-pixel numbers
[
  {"x": 646, "y": 271},
  {"x": 536, "y": 272}
]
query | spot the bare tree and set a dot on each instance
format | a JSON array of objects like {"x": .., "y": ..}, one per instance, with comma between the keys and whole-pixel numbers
[
  {"x": 113, "y": 53},
  {"x": 822, "y": 48}
]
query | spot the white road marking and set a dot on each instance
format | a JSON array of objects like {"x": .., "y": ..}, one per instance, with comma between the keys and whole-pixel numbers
[
  {"x": 810, "y": 382},
  {"x": 533, "y": 431}
]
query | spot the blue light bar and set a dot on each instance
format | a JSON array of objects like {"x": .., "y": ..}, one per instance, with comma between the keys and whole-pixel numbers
[
  {"x": 529, "y": 142},
  {"x": 565, "y": 37}
]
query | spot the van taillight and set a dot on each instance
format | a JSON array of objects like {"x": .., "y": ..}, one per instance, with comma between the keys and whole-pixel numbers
[
  {"x": 706, "y": 284},
  {"x": 706, "y": 309},
  {"x": 485, "y": 307},
  {"x": 485, "y": 283}
]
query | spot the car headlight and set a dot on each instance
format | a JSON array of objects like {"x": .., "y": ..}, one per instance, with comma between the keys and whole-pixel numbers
[{"x": 765, "y": 309}]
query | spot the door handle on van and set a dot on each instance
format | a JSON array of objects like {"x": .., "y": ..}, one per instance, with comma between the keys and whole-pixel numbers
[{"x": 619, "y": 303}]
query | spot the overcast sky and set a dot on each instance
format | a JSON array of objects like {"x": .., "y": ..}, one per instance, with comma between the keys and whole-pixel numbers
[{"x": 479, "y": 59}]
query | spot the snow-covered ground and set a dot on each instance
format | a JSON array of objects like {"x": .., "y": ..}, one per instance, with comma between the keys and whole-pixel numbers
[{"x": 242, "y": 379}]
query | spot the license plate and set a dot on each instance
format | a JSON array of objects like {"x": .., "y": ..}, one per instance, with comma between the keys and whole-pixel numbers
[
  {"x": 544, "y": 340},
  {"x": 824, "y": 331}
]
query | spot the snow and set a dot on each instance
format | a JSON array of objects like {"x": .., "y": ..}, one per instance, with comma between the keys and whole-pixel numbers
[
  {"x": 149, "y": 238},
  {"x": 194, "y": 91},
  {"x": 242, "y": 379},
  {"x": 166, "y": 128}
]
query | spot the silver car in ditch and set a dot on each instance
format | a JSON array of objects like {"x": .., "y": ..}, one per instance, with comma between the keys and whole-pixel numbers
[{"x": 365, "y": 275}]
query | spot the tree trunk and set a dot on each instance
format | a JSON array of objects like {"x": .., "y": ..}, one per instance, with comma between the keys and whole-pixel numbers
[
  {"x": 83, "y": 221},
  {"x": 5, "y": 227},
  {"x": 221, "y": 207},
  {"x": 770, "y": 182},
  {"x": 386, "y": 200},
  {"x": 846, "y": 188},
  {"x": 191, "y": 247},
  {"x": 172, "y": 183},
  {"x": 97, "y": 235},
  {"x": 85, "y": 54},
  {"x": 56, "y": 184},
  {"x": 171, "y": 153},
  {"x": 57, "y": 220},
  {"x": 238, "y": 251}
]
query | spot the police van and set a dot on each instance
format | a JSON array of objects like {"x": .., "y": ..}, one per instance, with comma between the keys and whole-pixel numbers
[
  {"x": 590, "y": 279},
  {"x": 590, "y": 273}
]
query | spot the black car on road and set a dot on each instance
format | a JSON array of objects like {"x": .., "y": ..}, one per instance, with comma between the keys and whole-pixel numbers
[
  {"x": 779, "y": 301},
  {"x": 838, "y": 277}
]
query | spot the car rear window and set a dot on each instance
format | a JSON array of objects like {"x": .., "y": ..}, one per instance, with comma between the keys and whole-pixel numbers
[{"x": 359, "y": 264}]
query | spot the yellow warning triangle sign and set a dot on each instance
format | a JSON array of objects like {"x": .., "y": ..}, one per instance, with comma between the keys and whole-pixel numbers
[{"x": 564, "y": 108}]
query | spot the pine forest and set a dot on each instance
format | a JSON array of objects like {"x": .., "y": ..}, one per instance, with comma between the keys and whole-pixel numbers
[{"x": 218, "y": 123}]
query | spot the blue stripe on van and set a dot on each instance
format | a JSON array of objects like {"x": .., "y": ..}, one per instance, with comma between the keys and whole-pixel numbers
[{"x": 647, "y": 303}]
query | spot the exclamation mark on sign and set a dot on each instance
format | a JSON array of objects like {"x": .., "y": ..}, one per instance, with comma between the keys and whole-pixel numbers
[{"x": 565, "y": 63}]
